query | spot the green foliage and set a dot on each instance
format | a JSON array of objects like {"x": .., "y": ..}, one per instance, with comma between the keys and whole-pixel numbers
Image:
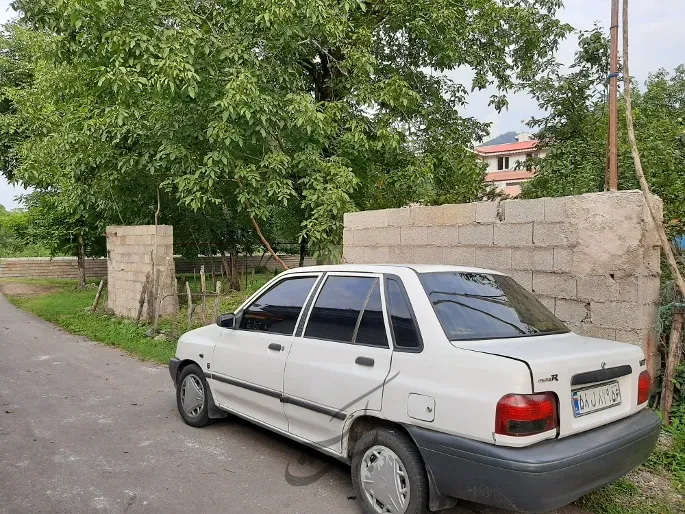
[
  {"x": 14, "y": 241},
  {"x": 575, "y": 132},
  {"x": 66, "y": 309},
  {"x": 298, "y": 110}
]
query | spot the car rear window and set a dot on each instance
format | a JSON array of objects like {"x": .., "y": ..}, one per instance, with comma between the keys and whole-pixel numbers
[{"x": 486, "y": 306}]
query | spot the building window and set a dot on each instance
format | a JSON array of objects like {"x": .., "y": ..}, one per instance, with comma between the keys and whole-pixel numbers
[{"x": 503, "y": 163}]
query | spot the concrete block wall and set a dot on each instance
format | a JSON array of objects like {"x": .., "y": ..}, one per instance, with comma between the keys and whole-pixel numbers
[
  {"x": 593, "y": 259},
  {"x": 46, "y": 267},
  {"x": 129, "y": 253}
]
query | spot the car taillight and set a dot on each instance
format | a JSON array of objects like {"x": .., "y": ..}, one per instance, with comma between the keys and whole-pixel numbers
[
  {"x": 520, "y": 415},
  {"x": 644, "y": 387}
]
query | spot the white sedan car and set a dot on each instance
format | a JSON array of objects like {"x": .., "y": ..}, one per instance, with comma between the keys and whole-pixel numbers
[{"x": 434, "y": 382}]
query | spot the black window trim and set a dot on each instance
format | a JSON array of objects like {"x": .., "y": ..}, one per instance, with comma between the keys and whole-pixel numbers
[
  {"x": 260, "y": 293},
  {"x": 403, "y": 290},
  {"x": 386, "y": 318}
]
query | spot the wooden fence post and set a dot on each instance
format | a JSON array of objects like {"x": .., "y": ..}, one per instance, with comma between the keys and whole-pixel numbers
[
  {"x": 190, "y": 306},
  {"x": 97, "y": 296},
  {"x": 672, "y": 361},
  {"x": 143, "y": 294},
  {"x": 216, "y": 298},
  {"x": 203, "y": 290}
]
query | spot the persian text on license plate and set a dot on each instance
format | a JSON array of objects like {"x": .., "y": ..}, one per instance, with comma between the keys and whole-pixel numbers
[{"x": 592, "y": 399}]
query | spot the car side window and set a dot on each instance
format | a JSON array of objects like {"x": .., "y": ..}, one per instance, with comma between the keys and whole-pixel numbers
[
  {"x": 405, "y": 331},
  {"x": 348, "y": 310},
  {"x": 277, "y": 310},
  {"x": 371, "y": 329}
]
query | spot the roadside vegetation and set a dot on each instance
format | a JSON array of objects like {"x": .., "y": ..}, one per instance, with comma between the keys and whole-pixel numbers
[{"x": 60, "y": 302}]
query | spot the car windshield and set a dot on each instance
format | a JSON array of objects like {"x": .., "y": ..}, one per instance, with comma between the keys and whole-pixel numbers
[{"x": 486, "y": 306}]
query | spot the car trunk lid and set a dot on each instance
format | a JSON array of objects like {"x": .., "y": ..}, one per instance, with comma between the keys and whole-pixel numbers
[{"x": 595, "y": 380}]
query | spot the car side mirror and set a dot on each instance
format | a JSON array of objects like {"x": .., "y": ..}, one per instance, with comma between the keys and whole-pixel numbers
[{"x": 226, "y": 320}]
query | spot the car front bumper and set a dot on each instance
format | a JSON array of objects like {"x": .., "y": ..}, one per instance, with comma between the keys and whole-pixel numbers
[
  {"x": 173, "y": 368},
  {"x": 541, "y": 477}
]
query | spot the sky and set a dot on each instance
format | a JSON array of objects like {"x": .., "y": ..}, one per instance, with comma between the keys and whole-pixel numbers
[{"x": 656, "y": 41}]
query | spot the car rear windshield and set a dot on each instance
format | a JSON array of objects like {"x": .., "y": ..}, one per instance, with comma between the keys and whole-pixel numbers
[{"x": 484, "y": 306}]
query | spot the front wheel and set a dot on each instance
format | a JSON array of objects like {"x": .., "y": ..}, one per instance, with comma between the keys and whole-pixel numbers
[
  {"x": 191, "y": 396},
  {"x": 388, "y": 474}
]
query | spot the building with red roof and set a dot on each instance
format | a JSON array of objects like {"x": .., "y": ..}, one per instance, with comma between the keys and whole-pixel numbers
[{"x": 506, "y": 168}]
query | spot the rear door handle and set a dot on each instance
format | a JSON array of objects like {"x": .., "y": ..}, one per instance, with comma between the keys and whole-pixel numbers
[
  {"x": 275, "y": 346},
  {"x": 364, "y": 361}
]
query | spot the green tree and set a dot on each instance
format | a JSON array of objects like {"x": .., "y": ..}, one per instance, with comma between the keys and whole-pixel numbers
[
  {"x": 574, "y": 132},
  {"x": 310, "y": 106}
]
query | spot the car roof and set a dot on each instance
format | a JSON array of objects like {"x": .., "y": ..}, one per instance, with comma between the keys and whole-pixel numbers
[{"x": 392, "y": 268}]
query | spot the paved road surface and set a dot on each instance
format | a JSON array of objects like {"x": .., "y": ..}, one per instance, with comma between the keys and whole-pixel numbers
[{"x": 84, "y": 428}]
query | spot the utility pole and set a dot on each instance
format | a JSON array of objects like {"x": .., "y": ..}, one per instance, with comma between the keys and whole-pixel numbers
[{"x": 612, "y": 170}]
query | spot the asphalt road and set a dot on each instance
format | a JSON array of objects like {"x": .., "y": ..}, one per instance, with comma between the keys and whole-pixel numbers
[{"x": 85, "y": 428}]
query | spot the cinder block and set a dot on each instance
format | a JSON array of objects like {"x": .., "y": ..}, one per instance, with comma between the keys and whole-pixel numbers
[
  {"x": 427, "y": 255},
  {"x": 601, "y": 288},
  {"x": 540, "y": 259},
  {"x": 627, "y": 315},
  {"x": 413, "y": 236},
  {"x": 427, "y": 216},
  {"x": 486, "y": 212},
  {"x": 366, "y": 219},
  {"x": 163, "y": 240},
  {"x": 400, "y": 254},
  {"x": 140, "y": 230},
  {"x": 652, "y": 260},
  {"x": 627, "y": 289},
  {"x": 443, "y": 235},
  {"x": 592, "y": 330},
  {"x": 554, "y": 234},
  {"x": 376, "y": 255},
  {"x": 547, "y": 301},
  {"x": 523, "y": 277},
  {"x": 400, "y": 217},
  {"x": 348, "y": 237},
  {"x": 563, "y": 260},
  {"x": 459, "y": 255},
  {"x": 498, "y": 259},
  {"x": 459, "y": 214},
  {"x": 521, "y": 211},
  {"x": 354, "y": 254},
  {"x": 572, "y": 311},
  {"x": 636, "y": 337},
  {"x": 481, "y": 235},
  {"x": 559, "y": 285},
  {"x": 513, "y": 234},
  {"x": 383, "y": 236},
  {"x": 648, "y": 289},
  {"x": 555, "y": 209}
]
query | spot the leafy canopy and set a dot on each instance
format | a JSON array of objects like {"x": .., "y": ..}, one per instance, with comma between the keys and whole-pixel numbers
[{"x": 310, "y": 107}]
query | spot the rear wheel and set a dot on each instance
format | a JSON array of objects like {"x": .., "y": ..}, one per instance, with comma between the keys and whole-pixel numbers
[
  {"x": 388, "y": 474},
  {"x": 191, "y": 396}
]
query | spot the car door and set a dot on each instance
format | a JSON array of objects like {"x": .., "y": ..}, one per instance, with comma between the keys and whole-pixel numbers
[
  {"x": 338, "y": 363},
  {"x": 248, "y": 361}
]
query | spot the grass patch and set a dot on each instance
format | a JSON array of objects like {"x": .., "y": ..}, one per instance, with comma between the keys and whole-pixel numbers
[{"x": 67, "y": 308}]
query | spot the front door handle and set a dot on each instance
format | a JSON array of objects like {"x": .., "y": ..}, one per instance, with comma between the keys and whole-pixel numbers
[
  {"x": 364, "y": 361},
  {"x": 275, "y": 346}
]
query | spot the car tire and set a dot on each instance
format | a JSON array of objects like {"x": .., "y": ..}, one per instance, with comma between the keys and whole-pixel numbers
[
  {"x": 393, "y": 444},
  {"x": 192, "y": 393}
]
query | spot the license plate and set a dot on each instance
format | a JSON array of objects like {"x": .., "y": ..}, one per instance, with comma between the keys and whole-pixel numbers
[{"x": 595, "y": 398}]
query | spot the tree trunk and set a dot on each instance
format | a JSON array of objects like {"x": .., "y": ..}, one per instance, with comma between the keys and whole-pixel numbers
[
  {"x": 233, "y": 278},
  {"x": 303, "y": 250},
  {"x": 81, "y": 258}
]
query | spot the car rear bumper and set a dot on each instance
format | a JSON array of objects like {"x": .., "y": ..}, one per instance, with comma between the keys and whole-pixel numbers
[
  {"x": 541, "y": 477},
  {"x": 173, "y": 368}
]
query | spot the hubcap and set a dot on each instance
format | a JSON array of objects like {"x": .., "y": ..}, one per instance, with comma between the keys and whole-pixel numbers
[
  {"x": 384, "y": 480},
  {"x": 192, "y": 396}
]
